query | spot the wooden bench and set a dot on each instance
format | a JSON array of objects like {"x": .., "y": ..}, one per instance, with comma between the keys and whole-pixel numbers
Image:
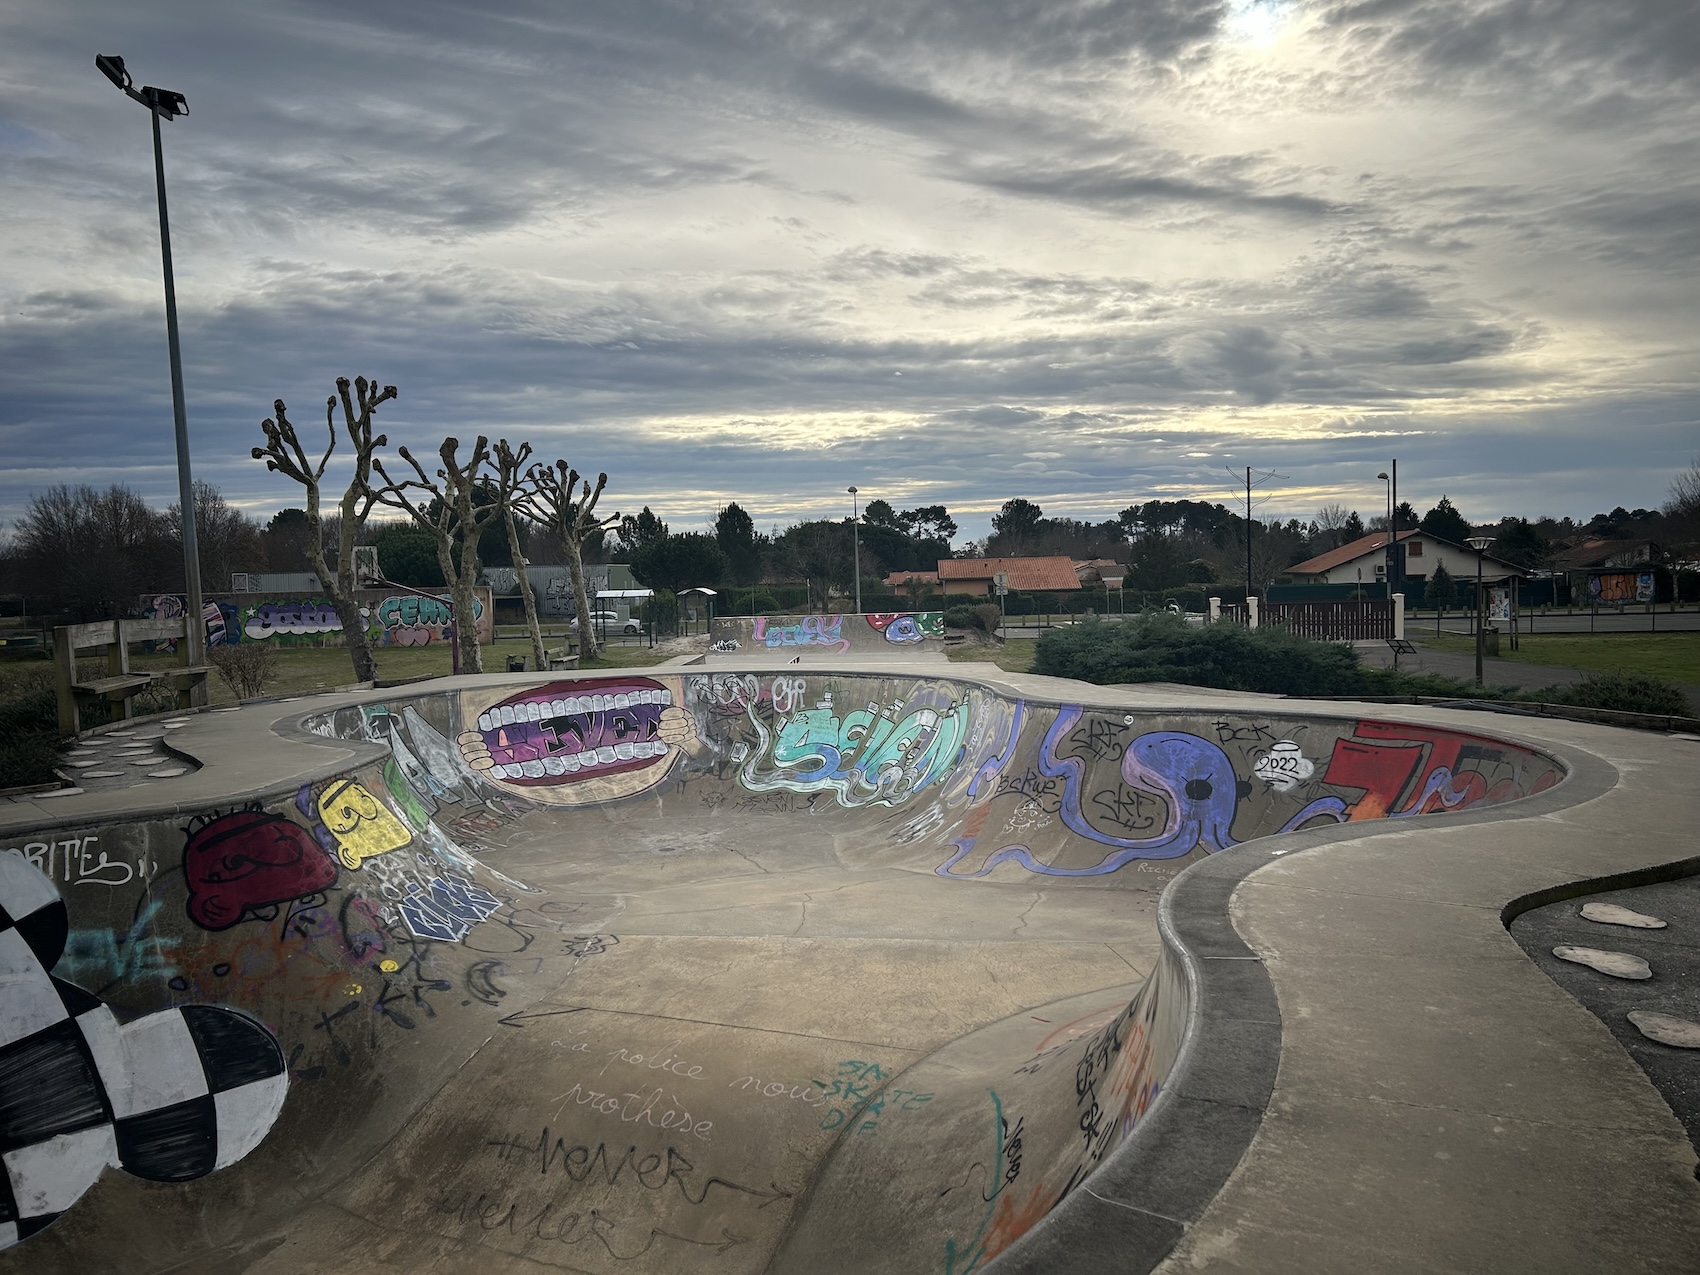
[{"x": 120, "y": 686}]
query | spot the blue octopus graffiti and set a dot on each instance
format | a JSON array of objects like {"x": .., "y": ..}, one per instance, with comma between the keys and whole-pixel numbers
[{"x": 1390, "y": 771}]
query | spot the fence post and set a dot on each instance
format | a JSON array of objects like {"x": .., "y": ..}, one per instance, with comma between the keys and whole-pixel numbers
[
  {"x": 1215, "y": 610},
  {"x": 65, "y": 673},
  {"x": 1398, "y": 617},
  {"x": 1251, "y": 610}
]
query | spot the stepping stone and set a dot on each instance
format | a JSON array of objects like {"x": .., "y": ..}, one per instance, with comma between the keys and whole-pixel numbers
[
  {"x": 1616, "y": 964},
  {"x": 146, "y": 761},
  {"x": 1612, "y": 914},
  {"x": 168, "y": 774},
  {"x": 175, "y": 725},
  {"x": 57, "y": 792},
  {"x": 79, "y": 765},
  {"x": 123, "y": 733},
  {"x": 1666, "y": 1028},
  {"x": 104, "y": 774}
]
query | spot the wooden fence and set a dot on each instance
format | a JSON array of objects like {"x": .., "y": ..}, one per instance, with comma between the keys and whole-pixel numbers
[{"x": 1337, "y": 620}]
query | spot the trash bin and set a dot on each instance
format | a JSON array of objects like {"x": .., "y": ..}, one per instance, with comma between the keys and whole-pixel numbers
[
  {"x": 1490, "y": 640},
  {"x": 516, "y": 663}
]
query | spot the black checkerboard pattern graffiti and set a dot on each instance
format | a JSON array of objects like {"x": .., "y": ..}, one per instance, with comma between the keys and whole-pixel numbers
[{"x": 169, "y": 1097}]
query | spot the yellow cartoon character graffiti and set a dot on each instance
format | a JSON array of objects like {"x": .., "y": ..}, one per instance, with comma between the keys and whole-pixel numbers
[{"x": 362, "y": 825}]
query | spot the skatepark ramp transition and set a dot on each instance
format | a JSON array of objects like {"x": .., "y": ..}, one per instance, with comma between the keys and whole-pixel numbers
[{"x": 741, "y": 971}]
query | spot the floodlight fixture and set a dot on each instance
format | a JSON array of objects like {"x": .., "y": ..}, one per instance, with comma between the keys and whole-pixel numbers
[{"x": 169, "y": 104}]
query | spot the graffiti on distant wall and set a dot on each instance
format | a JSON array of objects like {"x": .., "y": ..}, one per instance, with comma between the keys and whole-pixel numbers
[
  {"x": 168, "y": 1097},
  {"x": 908, "y": 628},
  {"x": 826, "y": 631},
  {"x": 401, "y": 619},
  {"x": 1621, "y": 586},
  {"x": 838, "y": 634}
]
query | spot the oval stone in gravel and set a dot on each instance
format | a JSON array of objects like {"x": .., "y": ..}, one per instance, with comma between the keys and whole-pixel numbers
[
  {"x": 1667, "y": 1029},
  {"x": 170, "y": 773},
  {"x": 1616, "y": 964},
  {"x": 103, "y": 774},
  {"x": 1612, "y": 914}
]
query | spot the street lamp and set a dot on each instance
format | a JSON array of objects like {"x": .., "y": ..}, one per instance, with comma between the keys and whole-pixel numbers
[
  {"x": 1480, "y": 545},
  {"x": 856, "y": 547},
  {"x": 166, "y": 104},
  {"x": 1387, "y": 567}
]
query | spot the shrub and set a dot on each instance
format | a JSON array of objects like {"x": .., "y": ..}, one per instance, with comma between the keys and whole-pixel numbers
[
  {"x": 245, "y": 667},
  {"x": 989, "y": 617},
  {"x": 1622, "y": 692},
  {"x": 964, "y": 617},
  {"x": 1156, "y": 647},
  {"x": 29, "y": 731}
]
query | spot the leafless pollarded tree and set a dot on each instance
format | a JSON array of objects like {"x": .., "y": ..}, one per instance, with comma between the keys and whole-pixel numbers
[
  {"x": 512, "y": 488},
  {"x": 460, "y": 502},
  {"x": 557, "y": 499},
  {"x": 284, "y": 454}
]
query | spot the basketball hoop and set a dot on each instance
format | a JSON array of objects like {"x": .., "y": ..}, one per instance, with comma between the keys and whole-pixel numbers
[{"x": 366, "y": 573}]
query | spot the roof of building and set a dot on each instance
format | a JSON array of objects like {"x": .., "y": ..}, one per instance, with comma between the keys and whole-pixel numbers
[
  {"x": 1376, "y": 542},
  {"x": 1595, "y": 553},
  {"x": 1024, "y": 573},
  {"x": 919, "y": 577}
]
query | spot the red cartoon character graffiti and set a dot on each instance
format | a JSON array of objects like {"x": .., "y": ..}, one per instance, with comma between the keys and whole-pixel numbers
[{"x": 246, "y": 860}]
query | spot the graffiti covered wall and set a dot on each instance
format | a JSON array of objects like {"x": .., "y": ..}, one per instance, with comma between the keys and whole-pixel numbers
[
  {"x": 317, "y": 952},
  {"x": 392, "y": 619},
  {"x": 890, "y": 633}
]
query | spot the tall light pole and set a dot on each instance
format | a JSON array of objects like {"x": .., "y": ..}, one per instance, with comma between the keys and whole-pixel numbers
[
  {"x": 856, "y": 547},
  {"x": 1387, "y": 567},
  {"x": 166, "y": 104},
  {"x": 1479, "y": 544}
]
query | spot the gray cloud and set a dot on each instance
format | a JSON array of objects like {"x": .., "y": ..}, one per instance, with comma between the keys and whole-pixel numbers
[{"x": 1082, "y": 251}]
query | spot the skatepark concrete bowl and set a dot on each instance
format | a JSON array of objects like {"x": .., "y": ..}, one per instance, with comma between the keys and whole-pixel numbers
[{"x": 883, "y": 967}]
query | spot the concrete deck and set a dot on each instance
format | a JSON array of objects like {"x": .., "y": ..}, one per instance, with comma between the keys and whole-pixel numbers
[{"x": 1372, "y": 1075}]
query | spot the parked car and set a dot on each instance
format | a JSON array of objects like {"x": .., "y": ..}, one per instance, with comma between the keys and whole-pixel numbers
[{"x": 610, "y": 622}]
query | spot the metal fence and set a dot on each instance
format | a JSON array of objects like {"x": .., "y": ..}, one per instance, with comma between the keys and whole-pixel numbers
[{"x": 1336, "y": 620}]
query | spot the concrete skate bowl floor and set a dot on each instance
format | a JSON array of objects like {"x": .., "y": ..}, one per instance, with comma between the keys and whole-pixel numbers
[{"x": 737, "y": 972}]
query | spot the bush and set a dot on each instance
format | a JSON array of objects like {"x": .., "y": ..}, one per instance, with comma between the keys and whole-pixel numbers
[
  {"x": 29, "y": 731},
  {"x": 1621, "y": 692},
  {"x": 1156, "y": 647},
  {"x": 245, "y": 667},
  {"x": 964, "y": 617}
]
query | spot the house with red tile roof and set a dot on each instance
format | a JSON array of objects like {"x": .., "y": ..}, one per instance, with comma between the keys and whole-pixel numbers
[
  {"x": 1364, "y": 561},
  {"x": 974, "y": 576}
]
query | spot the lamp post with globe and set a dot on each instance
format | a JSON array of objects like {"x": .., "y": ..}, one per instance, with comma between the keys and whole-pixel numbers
[{"x": 1480, "y": 545}]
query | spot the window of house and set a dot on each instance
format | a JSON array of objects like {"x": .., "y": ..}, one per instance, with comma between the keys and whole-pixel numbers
[{"x": 1414, "y": 549}]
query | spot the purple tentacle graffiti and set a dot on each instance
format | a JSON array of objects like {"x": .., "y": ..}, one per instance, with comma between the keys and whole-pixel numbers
[{"x": 1193, "y": 775}]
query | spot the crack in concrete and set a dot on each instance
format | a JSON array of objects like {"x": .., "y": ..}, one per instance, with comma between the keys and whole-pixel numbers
[{"x": 1021, "y": 921}]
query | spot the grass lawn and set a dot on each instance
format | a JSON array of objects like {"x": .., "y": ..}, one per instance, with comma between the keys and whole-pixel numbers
[
  {"x": 1675, "y": 657},
  {"x": 1014, "y": 656}
]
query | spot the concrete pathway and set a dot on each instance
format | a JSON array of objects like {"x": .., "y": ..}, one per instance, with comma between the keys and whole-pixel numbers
[{"x": 1526, "y": 677}]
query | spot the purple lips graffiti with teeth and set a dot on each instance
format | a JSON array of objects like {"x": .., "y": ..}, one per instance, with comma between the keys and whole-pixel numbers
[{"x": 623, "y": 732}]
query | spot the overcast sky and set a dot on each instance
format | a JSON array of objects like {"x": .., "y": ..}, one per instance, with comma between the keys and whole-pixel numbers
[{"x": 1088, "y": 253}]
